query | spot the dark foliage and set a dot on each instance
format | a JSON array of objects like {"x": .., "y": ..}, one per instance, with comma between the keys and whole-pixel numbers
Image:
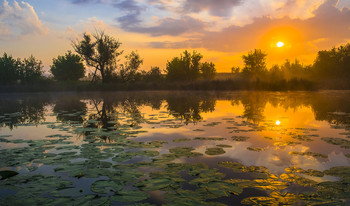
[{"x": 68, "y": 67}]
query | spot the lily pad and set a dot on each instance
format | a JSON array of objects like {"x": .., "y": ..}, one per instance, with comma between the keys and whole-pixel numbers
[
  {"x": 214, "y": 151},
  {"x": 255, "y": 149},
  {"x": 209, "y": 138},
  {"x": 129, "y": 196},
  {"x": 106, "y": 186},
  {"x": 240, "y": 138},
  {"x": 312, "y": 154}
]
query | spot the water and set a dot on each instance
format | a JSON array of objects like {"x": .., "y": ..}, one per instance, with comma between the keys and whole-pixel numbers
[{"x": 175, "y": 148}]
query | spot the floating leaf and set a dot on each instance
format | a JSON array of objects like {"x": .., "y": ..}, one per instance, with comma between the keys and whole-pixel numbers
[
  {"x": 312, "y": 154},
  {"x": 181, "y": 140},
  {"x": 240, "y": 138},
  {"x": 129, "y": 196},
  {"x": 209, "y": 138},
  {"x": 214, "y": 151},
  {"x": 255, "y": 149},
  {"x": 106, "y": 186}
]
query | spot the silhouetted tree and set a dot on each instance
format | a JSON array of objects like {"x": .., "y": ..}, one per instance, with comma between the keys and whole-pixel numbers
[
  {"x": 153, "y": 75},
  {"x": 295, "y": 70},
  {"x": 275, "y": 73},
  {"x": 254, "y": 63},
  {"x": 68, "y": 67},
  {"x": 235, "y": 70},
  {"x": 31, "y": 70},
  {"x": 208, "y": 70},
  {"x": 9, "y": 69},
  {"x": 333, "y": 63},
  {"x": 99, "y": 51},
  {"x": 185, "y": 67},
  {"x": 133, "y": 62}
]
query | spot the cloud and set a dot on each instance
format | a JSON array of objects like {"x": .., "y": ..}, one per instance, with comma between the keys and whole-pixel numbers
[
  {"x": 19, "y": 20},
  {"x": 132, "y": 12},
  {"x": 171, "y": 27},
  {"x": 220, "y": 8},
  {"x": 328, "y": 23}
]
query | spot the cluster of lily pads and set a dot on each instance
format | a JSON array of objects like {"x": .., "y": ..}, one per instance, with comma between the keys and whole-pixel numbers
[{"x": 110, "y": 167}]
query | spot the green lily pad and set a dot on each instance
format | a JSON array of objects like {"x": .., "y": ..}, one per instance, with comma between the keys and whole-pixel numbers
[
  {"x": 221, "y": 189},
  {"x": 337, "y": 141},
  {"x": 312, "y": 154},
  {"x": 129, "y": 196},
  {"x": 237, "y": 167},
  {"x": 214, "y": 151},
  {"x": 297, "y": 179},
  {"x": 240, "y": 138},
  {"x": 106, "y": 186},
  {"x": 255, "y": 149},
  {"x": 182, "y": 140},
  {"x": 224, "y": 145},
  {"x": 209, "y": 138}
]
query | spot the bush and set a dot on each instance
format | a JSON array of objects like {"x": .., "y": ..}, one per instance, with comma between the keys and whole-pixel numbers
[{"x": 68, "y": 67}]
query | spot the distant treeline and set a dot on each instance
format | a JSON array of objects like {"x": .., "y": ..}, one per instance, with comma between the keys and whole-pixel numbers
[{"x": 331, "y": 70}]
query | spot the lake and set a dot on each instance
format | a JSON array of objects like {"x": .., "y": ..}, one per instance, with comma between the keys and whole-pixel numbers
[{"x": 175, "y": 148}]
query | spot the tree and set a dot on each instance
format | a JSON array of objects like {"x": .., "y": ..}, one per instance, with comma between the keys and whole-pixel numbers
[
  {"x": 31, "y": 70},
  {"x": 208, "y": 70},
  {"x": 185, "y": 67},
  {"x": 99, "y": 51},
  {"x": 153, "y": 75},
  {"x": 68, "y": 67},
  {"x": 235, "y": 70},
  {"x": 275, "y": 73},
  {"x": 333, "y": 63},
  {"x": 9, "y": 69},
  {"x": 254, "y": 63},
  {"x": 130, "y": 67}
]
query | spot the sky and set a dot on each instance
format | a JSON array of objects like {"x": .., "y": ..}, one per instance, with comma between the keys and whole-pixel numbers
[{"x": 221, "y": 30}]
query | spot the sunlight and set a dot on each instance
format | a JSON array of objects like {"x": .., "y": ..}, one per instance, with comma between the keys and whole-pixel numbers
[
  {"x": 278, "y": 122},
  {"x": 280, "y": 44}
]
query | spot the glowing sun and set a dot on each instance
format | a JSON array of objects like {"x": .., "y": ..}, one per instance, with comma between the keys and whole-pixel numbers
[
  {"x": 280, "y": 44},
  {"x": 278, "y": 122}
]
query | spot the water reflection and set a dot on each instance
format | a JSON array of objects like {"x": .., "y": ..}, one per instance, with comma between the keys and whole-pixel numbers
[
  {"x": 326, "y": 106},
  {"x": 185, "y": 144}
]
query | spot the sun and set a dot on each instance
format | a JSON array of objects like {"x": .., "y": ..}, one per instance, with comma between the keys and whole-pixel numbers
[
  {"x": 278, "y": 122},
  {"x": 280, "y": 44}
]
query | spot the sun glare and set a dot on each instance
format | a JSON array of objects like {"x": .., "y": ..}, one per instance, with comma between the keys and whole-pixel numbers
[
  {"x": 280, "y": 44},
  {"x": 278, "y": 122}
]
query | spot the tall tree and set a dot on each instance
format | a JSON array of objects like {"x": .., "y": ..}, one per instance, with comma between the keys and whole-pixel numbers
[
  {"x": 254, "y": 63},
  {"x": 208, "y": 70},
  {"x": 185, "y": 67},
  {"x": 333, "y": 63},
  {"x": 130, "y": 67},
  {"x": 31, "y": 69},
  {"x": 99, "y": 51},
  {"x": 9, "y": 69},
  {"x": 68, "y": 67}
]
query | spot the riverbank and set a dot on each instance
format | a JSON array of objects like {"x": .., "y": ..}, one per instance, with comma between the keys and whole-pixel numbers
[{"x": 200, "y": 85}]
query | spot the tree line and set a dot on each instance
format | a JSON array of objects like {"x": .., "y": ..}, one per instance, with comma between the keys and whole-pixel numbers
[
  {"x": 102, "y": 52},
  {"x": 333, "y": 64}
]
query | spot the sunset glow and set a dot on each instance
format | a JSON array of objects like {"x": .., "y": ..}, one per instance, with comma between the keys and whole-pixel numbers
[{"x": 221, "y": 31}]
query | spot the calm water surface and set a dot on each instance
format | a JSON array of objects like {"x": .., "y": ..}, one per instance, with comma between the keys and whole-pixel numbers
[{"x": 175, "y": 148}]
